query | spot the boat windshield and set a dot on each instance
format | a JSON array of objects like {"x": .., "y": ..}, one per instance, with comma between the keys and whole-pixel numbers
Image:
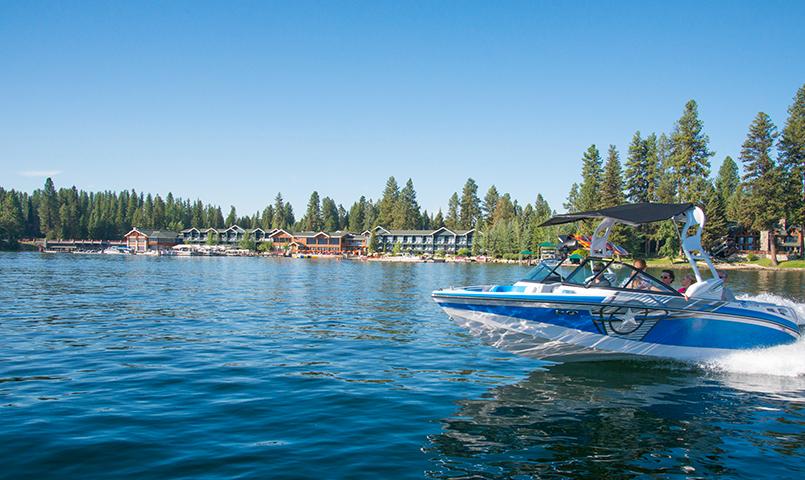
[
  {"x": 548, "y": 271},
  {"x": 604, "y": 273}
]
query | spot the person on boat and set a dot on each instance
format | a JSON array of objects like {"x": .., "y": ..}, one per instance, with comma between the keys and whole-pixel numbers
[
  {"x": 726, "y": 293},
  {"x": 639, "y": 283},
  {"x": 597, "y": 278},
  {"x": 687, "y": 281},
  {"x": 667, "y": 277}
]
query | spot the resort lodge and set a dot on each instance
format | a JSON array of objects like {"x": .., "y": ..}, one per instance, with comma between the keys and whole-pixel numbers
[
  {"x": 320, "y": 243},
  {"x": 423, "y": 241}
]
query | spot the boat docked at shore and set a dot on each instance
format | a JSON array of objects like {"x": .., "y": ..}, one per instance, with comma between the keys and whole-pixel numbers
[{"x": 603, "y": 308}]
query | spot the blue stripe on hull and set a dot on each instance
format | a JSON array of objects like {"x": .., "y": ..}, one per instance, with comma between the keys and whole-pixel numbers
[
  {"x": 760, "y": 315},
  {"x": 676, "y": 331},
  {"x": 567, "y": 298},
  {"x": 580, "y": 320},
  {"x": 711, "y": 333}
]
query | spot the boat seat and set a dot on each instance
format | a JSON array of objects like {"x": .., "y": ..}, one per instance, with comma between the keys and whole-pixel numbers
[
  {"x": 711, "y": 289},
  {"x": 540, "y": 288}
]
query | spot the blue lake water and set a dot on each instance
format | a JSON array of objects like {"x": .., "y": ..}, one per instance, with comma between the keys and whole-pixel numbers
[{"x": 116, "y": 366}]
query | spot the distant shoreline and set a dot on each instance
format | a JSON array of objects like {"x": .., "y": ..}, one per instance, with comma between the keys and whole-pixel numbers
[{"x": 652, "y": 262}]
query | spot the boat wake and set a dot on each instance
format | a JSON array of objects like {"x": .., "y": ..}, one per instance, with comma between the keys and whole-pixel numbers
[{"x": 781, "y": 361}]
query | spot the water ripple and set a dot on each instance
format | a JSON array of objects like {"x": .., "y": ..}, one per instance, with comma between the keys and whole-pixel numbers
[{"x": 250, "y": 367}]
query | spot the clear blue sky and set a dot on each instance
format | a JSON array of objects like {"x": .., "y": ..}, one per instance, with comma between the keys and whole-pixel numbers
[{"x": 232, "y": 102}]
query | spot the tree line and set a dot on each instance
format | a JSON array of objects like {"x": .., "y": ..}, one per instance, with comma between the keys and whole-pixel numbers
[
  {"x": 666, "y": 168},
  {"x": 676, "y": 168}
]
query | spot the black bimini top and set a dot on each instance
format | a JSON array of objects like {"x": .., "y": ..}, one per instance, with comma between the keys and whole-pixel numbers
[{"x": 631, "y": 213}]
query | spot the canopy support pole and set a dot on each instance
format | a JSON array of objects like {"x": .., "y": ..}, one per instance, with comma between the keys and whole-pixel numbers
[
  {"x": 600, "y": 239},
  {"x": 692, "y": 242}
]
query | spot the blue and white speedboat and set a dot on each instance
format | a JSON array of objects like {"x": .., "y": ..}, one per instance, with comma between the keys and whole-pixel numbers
[{"x": 603, "y": 308}]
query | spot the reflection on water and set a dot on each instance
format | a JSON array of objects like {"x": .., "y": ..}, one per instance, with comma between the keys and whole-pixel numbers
[{"x": 621, "y": 419}]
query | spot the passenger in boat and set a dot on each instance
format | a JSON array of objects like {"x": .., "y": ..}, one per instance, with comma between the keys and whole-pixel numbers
[
  {"x": 687, "y": 281},
  {"x": 598, "y": 277},
  {"x": 639, "y": 283},
  {"x": 726, "y": 293},
  {"x": 667, "y": 277}
]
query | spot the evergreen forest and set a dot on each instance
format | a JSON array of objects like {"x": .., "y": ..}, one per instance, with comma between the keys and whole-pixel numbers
[{"x": 765, "y": 184}]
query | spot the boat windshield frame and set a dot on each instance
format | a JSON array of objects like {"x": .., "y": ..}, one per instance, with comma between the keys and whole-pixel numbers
[
  {"x": 592, "y": 282},
  {"x": 552, "y": 271}
]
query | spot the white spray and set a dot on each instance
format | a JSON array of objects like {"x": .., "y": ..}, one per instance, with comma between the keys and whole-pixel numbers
[{"x": 782, "y": 361}]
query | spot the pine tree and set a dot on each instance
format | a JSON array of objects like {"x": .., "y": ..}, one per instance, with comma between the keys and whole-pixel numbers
[
  {"x": 637, "y": 179},
  {"x": 290, "y": 219},
  {"x": 504, "y": 210},
  {"x": 218, "y": 218},
  {"x": 611, "y": 191},
  {"x": 716, "y": 213},
  {"x": 357, "y": 215},
  {"x": 641, "y": 182},
  {"x": 159, "y": 212},
  {"x": 232, "y": 218},
  {"x": 148, "y": 212},
  {"x": 792, "y": 160},
  {"x": 49, "y": 210},
  {"x": 279, "y": 218},
  {"x": 652, "y": 166},
  {"x": 406, "y": 214},
  {"x": 591, "y": 171},
  {"x": 470, "y": 206},
  {"x": 537, "y": 234},
  {"x": 120, "y": 213},
  {"x": 369, "y": 215},
  {"x": 438, "y": 220},
  {"x": 11, "y": 219},
  {"x": 343, "y": 218},
  {"x": 130, "y": 208},
  {"x": 267, "y": 218},
  {"x": 451, "y": 221},
  {"x": 197, "y": 220},
  {"x": 727, "y": 181},
  {"x": 372, "y": 244},
  {"x": 490, "y": 202},
  {"x": 388, "y": 203},
  {"x": 329, "y": 215},
  {"x": 425, "y": 221},
  {"x": 666, "y": 234},
  {"x": 690, "y": 157},
  {"x": 572, "y": 202},
  {"x": 762, "y": 180},
  {"x": 312, "y": 220}
]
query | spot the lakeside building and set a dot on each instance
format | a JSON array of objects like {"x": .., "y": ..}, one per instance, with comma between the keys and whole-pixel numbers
[
  {"x": 335, "y": 243},
  {"x": 329, "y": 243},
  {"x": 423, "y": 241},
  {"x": 339, "y": 242},
  {"x": 787, "y": 237},
  {"x": 141, "y": 240}
]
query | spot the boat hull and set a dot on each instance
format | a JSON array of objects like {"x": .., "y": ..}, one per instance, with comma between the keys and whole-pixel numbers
[{"x": 564, "y": 331}]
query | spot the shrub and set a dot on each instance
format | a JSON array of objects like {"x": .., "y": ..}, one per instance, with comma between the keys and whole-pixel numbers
[
  {"x": 752, "y": 257},
  {"x": 463, "y": 252}
]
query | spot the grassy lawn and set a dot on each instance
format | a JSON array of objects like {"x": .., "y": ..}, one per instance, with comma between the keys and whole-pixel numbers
[
  {"x": 761, "y": 262},
  {"x": 665, "y": 262},
  {"x": 765, "y": 262}
]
